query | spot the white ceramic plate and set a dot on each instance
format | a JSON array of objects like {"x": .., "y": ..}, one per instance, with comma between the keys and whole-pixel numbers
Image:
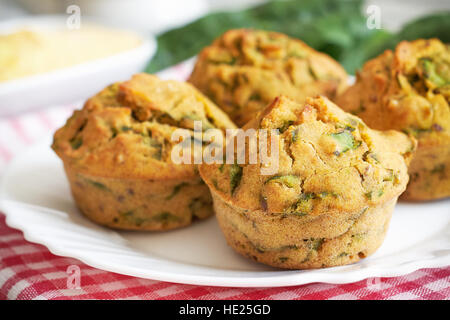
[
  {"x": 36, "y": 199},
  {"x": 72, "y": 83}
]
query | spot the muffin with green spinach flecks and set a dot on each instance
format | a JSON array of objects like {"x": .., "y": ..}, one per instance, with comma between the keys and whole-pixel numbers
[
  {"x": 409, "y": 90},
  {"x": 331, "y": 199},
  {"x": 117, "y": 154},
  {"x": 244, "y": 70}
]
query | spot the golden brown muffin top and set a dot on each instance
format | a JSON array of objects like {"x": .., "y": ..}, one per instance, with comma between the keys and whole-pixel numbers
[
  {"x": 268, "y": 50},
  {"x": 329, "y": 161},
  {"x": 407, "y": 90},
  {"x": 250, "y": 68},
  {"x": 125, "y": 130}
]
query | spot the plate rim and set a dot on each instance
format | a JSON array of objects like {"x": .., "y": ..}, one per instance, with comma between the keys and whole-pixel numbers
[{"x": 303, "y": 276}]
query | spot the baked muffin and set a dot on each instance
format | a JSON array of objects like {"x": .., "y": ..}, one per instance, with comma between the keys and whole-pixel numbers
[
  {"x": 244, "y": 70},
  {"x": 409, "y": 90},
  {"x": 332, "y": 197},
  {"x": 117, "y": 154}
]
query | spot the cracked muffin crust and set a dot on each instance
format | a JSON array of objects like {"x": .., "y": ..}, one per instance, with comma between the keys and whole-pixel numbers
[
  {"x": 331, "y": 200},
  {"x": 409, "y": 90},
  {"x": 244, "y": 70},
  {"x": 117, "y": 154}
]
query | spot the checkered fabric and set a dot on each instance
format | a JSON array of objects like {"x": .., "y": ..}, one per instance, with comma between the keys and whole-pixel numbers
[{"x": 30, "y": 271}]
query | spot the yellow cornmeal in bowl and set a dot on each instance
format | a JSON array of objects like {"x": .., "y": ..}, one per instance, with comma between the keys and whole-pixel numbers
[
  {"x": 29, "y": 52},
  {"x": 244, "y": 70},
  {"x": 409, "y": 90},
  {"x": 117, "y": 154},
  {"x": 331, "y": 199}
]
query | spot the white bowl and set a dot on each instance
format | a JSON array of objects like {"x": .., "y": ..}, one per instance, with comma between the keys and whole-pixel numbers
[
  {"x": 69, "y": 84},
  {"x": 154, "y": 15}
]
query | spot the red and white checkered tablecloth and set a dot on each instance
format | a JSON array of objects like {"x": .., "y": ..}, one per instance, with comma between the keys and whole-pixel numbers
[{"x": 30, "y": 271}]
